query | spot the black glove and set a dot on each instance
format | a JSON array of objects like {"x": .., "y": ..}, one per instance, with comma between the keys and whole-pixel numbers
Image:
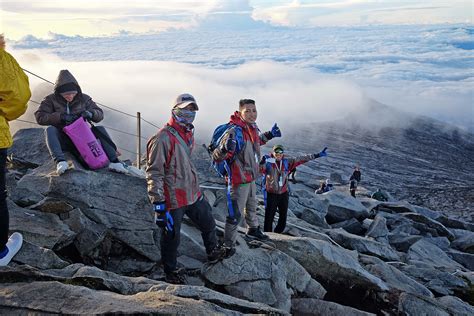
[
  {"x": 263, "y": 160},
  {"x": 87, "y": 115},
  {"x": 68, "y": 118},
  {"x": 230, "y": 144}
]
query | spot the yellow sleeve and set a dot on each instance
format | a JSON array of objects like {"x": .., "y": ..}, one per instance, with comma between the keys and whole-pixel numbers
[{"x": 14, "y": 87}]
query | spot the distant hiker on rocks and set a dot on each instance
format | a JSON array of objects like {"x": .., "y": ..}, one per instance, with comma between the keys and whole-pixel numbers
[
  {"x": 324, "y": 186},
  {"x": 239, "y": 149},
  {"x": 354, "y": 180},
  {"x": 62, "y": 108},
  {"x": 380, "y": 195},
  {"x": 275, "y": 169},
  {"x": 14, "y": 96},
  {"x": 173, "y": 187}
]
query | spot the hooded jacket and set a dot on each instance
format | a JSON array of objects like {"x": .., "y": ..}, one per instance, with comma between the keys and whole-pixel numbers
[
  {"x": 274, "y": 172},
  {"x": 170, "y": 173},
  {"x": 244, "y": 167},
  {"x": 53, "y": 105},
  {"x": 14, "y": 95}
]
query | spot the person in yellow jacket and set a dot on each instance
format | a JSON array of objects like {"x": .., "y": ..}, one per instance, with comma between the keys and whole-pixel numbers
[{"x": 14, "y": 96}]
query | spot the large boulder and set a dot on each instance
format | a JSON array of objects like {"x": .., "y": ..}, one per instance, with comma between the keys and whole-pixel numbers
[
  {"x": 110, "y": 227},
  {"x": 378, "y": 229},
  {"x": 393, "y": 277},
  {"x": 41, "y": 229},
  {"x": 436, "y": 280},
  {"x": 424, "y": 223},
  {"x": 464, "y": 240},
  {"x": 411, "y": 304},
  {"x": 306, "y": 207},
  {"x": 363, "y": 245},
  {"x": 29, "y": 145},
  {"x": 328, "y": 263},
  {"x": 55, "y": 297},
  {"x": 341, "y": 207},
  {"x": 456, "y": 306},
  {"x": 428, "y": 253},
  {"x": 312, "y": 306},
  {"x": 263, "y": 275}
]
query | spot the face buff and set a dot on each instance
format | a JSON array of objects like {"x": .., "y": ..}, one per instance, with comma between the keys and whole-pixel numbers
[{"x": 184, "y": 116}]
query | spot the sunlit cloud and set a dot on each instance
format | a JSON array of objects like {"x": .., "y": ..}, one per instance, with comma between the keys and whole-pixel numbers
[{"x": 363, "y": 12}]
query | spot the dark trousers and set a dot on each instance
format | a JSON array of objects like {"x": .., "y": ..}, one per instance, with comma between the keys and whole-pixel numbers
[
  {"x": 4, "y": 218},
  {"x": 58, "y": 142},
  {"x": 274, "y": 202},
  {"x": 200, "y": 214}
]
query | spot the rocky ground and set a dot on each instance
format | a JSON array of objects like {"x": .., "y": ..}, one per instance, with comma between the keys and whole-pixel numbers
[
  {"x": 420, "y": 160},
  {"x": 91, "y": 247}
]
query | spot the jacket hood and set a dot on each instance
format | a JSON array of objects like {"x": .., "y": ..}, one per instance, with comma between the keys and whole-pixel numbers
[{"x": 66, "y": 77}]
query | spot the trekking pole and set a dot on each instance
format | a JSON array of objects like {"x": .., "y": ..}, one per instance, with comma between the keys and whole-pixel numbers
[{"x": 139, "y": 139}]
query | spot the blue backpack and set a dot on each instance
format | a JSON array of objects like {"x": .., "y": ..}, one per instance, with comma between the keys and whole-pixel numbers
[{"x": 223, "y": 167}]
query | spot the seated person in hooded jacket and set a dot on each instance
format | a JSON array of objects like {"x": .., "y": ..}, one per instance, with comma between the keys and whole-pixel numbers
[{"x": 62, "y": 108}]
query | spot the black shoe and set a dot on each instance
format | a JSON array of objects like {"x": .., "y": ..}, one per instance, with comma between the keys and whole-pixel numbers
[
  {"x": 257, "y": 234},
  {"x": 229, "y": 251},
  {"x": 175, "y": 278},
  {"x": 218, "y": 253}
]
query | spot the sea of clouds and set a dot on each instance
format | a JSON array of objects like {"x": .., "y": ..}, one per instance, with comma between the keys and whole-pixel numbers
[{"x": 295, "y": 75}]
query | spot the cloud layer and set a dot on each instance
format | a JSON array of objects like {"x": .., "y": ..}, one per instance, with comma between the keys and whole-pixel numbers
[{"x": 422, "y": 69}]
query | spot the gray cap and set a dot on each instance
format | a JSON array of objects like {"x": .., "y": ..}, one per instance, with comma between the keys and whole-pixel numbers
[{"x": 183, "y": 100}]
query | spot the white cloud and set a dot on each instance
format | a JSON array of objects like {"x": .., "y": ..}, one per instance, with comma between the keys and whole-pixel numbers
[{"x": 364, "y": 12}]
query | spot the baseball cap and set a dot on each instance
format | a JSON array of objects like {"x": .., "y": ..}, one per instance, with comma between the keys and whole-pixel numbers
[{"x": 183, "y": 100}]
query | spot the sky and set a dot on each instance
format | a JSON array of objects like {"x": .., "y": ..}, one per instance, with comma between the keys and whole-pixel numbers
[
  {"x": 318, "y": 60},
  {"x": 103, "y": 18}
]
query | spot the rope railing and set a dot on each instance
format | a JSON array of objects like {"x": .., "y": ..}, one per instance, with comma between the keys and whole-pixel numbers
[
  {"x": 111, "y": 128},
  {"x": 138, "y": 117},
  {"x": 34, "y": 123},
  {"x": 101, "y": 104}
]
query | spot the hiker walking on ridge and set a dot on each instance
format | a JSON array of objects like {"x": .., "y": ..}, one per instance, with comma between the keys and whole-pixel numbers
[
  {"x": 239, "y": 149},
  {"x": 63, "y": 107},
  {"x": 173, "y": 187},
  {"x": 275, "y": 169},
  {"x": 354, "y": 180},
  {"x": 14, "y": 95}
]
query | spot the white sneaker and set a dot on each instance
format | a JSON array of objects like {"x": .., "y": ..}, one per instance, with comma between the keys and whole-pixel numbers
[
  {"x": 13, "y": 246},
  {"x": 117, "y": 167},
  {"x": 61, "y": 167},
  {"x": 134, "y": 171}
]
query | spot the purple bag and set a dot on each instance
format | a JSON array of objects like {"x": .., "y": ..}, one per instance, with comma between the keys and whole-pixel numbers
[{"x": 87, "y": 144}]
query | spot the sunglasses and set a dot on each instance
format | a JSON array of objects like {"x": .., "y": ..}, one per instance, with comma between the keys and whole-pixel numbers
[{"x": 278, "y": 151}]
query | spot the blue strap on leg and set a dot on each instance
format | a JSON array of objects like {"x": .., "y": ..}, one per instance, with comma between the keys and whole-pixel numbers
[{"x": 230, "y": 206}]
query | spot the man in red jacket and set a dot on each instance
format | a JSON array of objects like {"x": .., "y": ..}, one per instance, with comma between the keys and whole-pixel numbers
[
  {"x": 173, "y": 187},
  {"x": 240, "y": 144}
]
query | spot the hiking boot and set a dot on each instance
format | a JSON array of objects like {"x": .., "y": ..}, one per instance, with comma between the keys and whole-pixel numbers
[
  {"x": 218, "y": 253},
  {"x": 175, "y": 278},
  {"x": 257, "y": 234},
  {"x": 229, "y": 251},
  {"x": 61, "y": 167},
  {"x": 117, "y": 167},
  {"x": 12, "y": 247}
]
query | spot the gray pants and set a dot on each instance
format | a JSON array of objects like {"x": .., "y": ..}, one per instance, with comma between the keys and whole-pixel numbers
[
  {"x": 244, "y": 200},
  {"x": 58, "y": 142}
]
